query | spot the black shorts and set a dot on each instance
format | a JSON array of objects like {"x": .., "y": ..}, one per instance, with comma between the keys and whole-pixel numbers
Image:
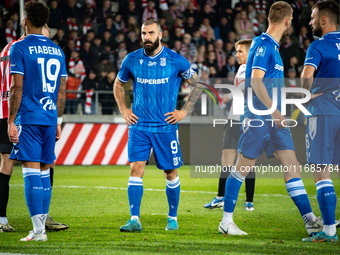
[
  {"x": 231, "y": 136},
  {"x": 5, "y": 145}
]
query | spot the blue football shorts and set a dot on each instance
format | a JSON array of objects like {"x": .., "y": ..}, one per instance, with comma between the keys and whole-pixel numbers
[
  {"x": 254, "y": 140},
  {"x": 36, "y": 144},
  {"x": 165, "y": 147},
  {"x": 323, "y": 140}
]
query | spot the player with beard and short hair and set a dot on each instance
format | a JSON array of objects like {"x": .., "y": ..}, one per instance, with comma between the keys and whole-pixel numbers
[
  {"x": 157, "y": 73},
  {"x": 265, "y": 68},
  {"x": 321, "y": 76}
]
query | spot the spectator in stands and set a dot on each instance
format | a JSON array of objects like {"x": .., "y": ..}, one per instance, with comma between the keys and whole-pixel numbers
[
  {"x": 197, "y": 40},
  {"x": 188, "y": 49},
  {"x": 220, "y": 55},
  {"x": 174, "y": 14},
  {"x": 230, "y": 66},
  {"x": 191, "y": 10},
  {"x": 178, "y": 36},
  {"x": 70, "y": 8},
  {"x": 204, "y": 27},
  {"x": 149, "y": 12},
  {"x": 108, "y": 25},
  {"x": 199, "y": 66},
  {"x": 118, "y": 40},
  {"x": 56, "y": 15},
  {"x": 131, "y": 11},
  {"x": 85, "y": 26},
  {"x": 61, "y": 38},
  {"x": 166, "y": 38},
  {"x": 259, "y": 24},
  {"x": 212, "y": 61},
  {"x": 303, "y": 35},
  {"x": 75, "y": 38},
  {"x": 75, "y": 75},
  {"x": 119, "y": 23},
  {"x": 232, "y": 37},
  {"x": 177, "y": 46},
  {"x": 189, "y": 26},
  {"x": 251, "y": 12},
  {"x": 289, "y": 49},
  {"x": 209, "y": 13},
  {"x": 132, "y": 25},
  {"x": 222, "y": 29},
  {"x": 229, "y": 49},
  {"x": 121, "y": 55},
  {"x": 110, "y": 52},
  {"x": 294, "y": 63},
  {"x": 14, "y": 16},
  {"x": 104, "y": 12},
  {"x": 107, "y": 38},
  {"x": 243, "y": 26},
  {"x": 96, "y": 50},
  {"x": 11, "y": 35},
  {"x": 88, "y": 9},
  {"x": 85, "y": 55},
  {"x": 292, "y": 82},
  {"x": 202, "y": 50},
  {"x": 213, "y": 73},
  {"x": 210, "y": 47},
  {"x": 72, "y": 24},
  {"x": 107, "y": 100},
  {"x": 70, "y": 46},
  {"x": 89, "y": 37},
  {"x": 90, "y": 84},
  {"x": 104, "y": 66},
  {"x": 210, "y": 37},
  {"x": 132, "y": 41}
]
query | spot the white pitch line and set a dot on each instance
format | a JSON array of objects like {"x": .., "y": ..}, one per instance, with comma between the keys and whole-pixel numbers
[
  {"x": 159, "y": 190},
  {"x": 16, "y": 254}
]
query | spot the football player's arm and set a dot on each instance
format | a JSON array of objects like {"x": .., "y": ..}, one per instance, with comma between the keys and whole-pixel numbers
[
  {"x": 176, "y": 115},
  {"x": 15, "y": 96},
  {"x": 262, "y": 93},
  {"x": 307, "y": 75},
  {"x": 61, "y": 104},
  {"x": 119, "y": 93}
]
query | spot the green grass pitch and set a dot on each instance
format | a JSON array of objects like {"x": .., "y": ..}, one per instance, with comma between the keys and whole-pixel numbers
[{"x": 93, "y": 201}]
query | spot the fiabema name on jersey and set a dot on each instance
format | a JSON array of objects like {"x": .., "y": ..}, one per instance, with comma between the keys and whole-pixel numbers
[
  {"x": 45, "y": 50},
  {"x": 153, "y": 81}
]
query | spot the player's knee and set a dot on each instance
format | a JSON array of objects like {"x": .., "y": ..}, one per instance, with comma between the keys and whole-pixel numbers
[
  {"x": 137, "y": 169},
  {"x": 170, "y": 174}
]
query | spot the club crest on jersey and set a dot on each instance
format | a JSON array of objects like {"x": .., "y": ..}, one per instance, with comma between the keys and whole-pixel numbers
[
  {"x": 47, "y": 102},
  {"x": 163, "y": 61},
  {"x": 175, "y": 161},
  {"x": 261, "y": 51},
  {"x": 141, "y": 61},
  {"x": 312, "y": 127},
  {"x": 152, "y": 63}
]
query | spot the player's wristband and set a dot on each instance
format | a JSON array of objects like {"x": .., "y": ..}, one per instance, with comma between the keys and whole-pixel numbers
[{"x": 60, "y": 120}]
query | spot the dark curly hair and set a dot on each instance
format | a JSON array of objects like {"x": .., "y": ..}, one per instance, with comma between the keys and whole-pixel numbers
[{"x": 37, "y": 13}]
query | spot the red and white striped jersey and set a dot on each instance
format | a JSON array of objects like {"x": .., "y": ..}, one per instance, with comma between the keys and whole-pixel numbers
[{"x": 5, "y": 81}]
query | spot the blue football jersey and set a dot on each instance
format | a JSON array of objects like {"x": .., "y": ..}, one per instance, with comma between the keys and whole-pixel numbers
[
  {"x": 264, "y": 55},
  {"x": 156, "y": 83},
  {"x": 42, "y": 63},
  {"x": 324, "y": 55}
]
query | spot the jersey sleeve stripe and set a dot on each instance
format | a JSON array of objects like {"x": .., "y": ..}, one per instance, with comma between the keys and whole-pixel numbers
[
  {"x": 310, "y": 64},
  {"x": 63, "y": 75},
  {"x": 121, "y": 79},
  {"x": 17, "y": 72},
  {"x": 258, "y": 67}
]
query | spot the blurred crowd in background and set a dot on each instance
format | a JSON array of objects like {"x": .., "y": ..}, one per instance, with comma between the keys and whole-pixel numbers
[{"x": 96, "y": 35}]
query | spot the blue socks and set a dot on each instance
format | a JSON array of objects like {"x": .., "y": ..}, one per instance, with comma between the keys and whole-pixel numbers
[
  {"x": 173, "y": 189},
  {"x": 135, "y": 194},
  {"x": 232, "y": 189},
  {"x": 46, "y": 184},
  {"x": 327, "y": 203},
  {"x": 298, "y": 194},
  {"x": 34, "y": 192}
]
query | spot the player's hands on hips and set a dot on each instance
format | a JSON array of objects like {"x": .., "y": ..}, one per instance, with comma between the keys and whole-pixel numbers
[
  {"x": 129, "y": 117},
  {"x": 13, "y": 132},
  {"x": 175, "y": 116},
  {"x": 312, "y": 96},
  {"x": 278, "y": 118},
  {"x": 58, "y": 133},
  {"x": 225, "y": 98}
]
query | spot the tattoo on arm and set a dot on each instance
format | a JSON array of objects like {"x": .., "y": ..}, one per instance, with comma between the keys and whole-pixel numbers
[
  {"x": 61, "y": 96},
  {"x": 194, "y": 81},
  {"x": 119, "y": 93}
]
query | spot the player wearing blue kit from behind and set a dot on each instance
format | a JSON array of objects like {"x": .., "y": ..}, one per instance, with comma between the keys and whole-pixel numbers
[
  {"x": 37, "y": 98},
  {"x": 157, "y": 73},
  {"x": 323, "y": 128},
  {"x": 265, "y": 68}
]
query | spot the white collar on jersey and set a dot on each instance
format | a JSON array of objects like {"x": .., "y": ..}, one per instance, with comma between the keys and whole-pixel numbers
[
  {"x": 36, "y": 35},
  {"x": 277, "y": 44},
  {"x": 146, "y": 54}
]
